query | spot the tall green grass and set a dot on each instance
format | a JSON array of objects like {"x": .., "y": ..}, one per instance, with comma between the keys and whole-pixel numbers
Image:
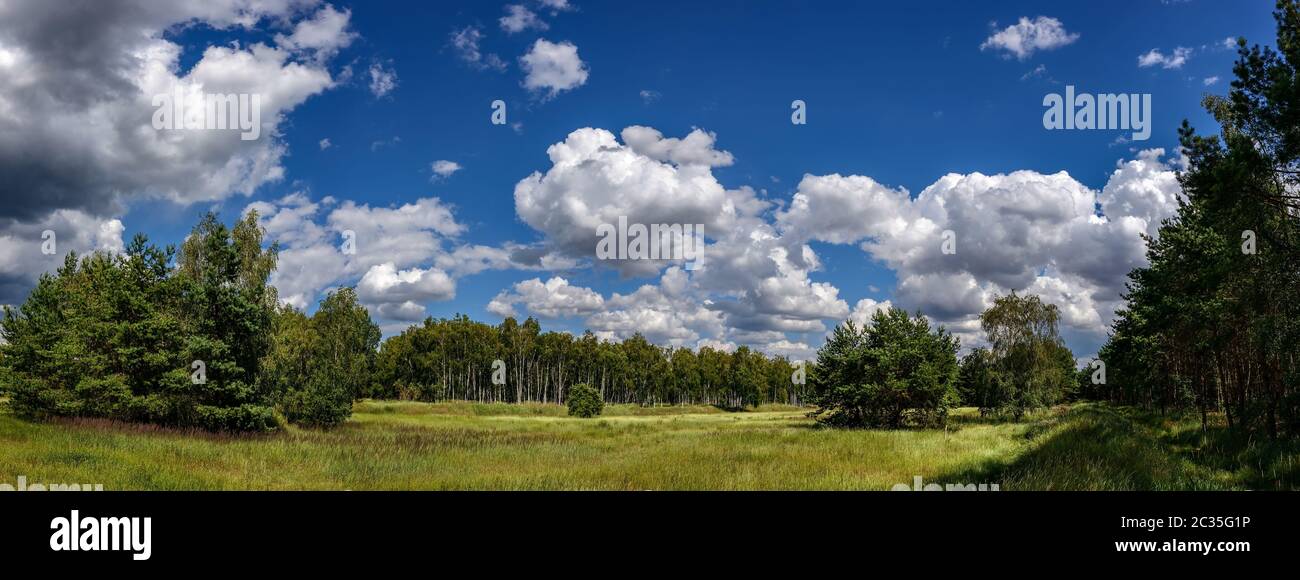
[
  {"x": 1101, "y": 447},
  {"x": 463, "y": 445}
]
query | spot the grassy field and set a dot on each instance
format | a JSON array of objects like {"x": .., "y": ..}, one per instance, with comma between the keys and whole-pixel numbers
[{"x": 389, "y": 445}]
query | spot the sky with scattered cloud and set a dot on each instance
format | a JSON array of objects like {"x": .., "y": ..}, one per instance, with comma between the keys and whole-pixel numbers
[{"x": 459, "y": 157}]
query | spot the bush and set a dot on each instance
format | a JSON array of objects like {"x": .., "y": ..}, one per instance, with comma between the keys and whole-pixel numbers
[
  {"x": 896, "y": 372},
  {"x": 320, "y": 403},
  {"x": 585, "y": 401},
  {"x": 244, "y": 418},
  {"x": 317, "y": 365}
]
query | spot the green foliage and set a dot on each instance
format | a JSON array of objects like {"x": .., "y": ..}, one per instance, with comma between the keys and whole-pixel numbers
[
  {"x": 116, "y": 336},
  {"x": 584, "y": 401},
  {"x": 86, "y": 342},
  {"x": 454, "y": 358},
  {"x": 243, "y": 418},
  {"x": 1209, "y": 324},
  {"x": 317, "y": 366},
  {"x": 1026, "y": 366},
  {"x": 893, "y": 373},
  {"x": 225, "y": 307},
  {"x": 977, "y": 383}
]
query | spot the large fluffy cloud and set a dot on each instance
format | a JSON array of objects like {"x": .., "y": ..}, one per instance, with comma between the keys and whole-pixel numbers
[
  {"x": 1022, "y": 231},
  {"x": 764, "y": 282},
  {"x": 324, "y": 34},
  {"x": 1145, "y": 188},
  {"x": 670, "y": 312},
  {"x": 77, "y": 87},
  {"x": 838, "y": 209},
  {"x": 1048, "y": 234},
  {"x": 751, "y": 277},
  {"x": 390, "y": 249},
  {"x": 554, "y": 298},
  {"x": 78, "y": 82},
  {"x": 23, "y": 247},
  {"x": 866, "y": 308},
  {"x": 595, "y": 180},
  {"x": 400, "y": 258},
  {"x": 401, "y": 294}
]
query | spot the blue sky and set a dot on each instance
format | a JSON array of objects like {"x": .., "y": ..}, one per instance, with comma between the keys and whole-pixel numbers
[{"x": 902, "y": 93}]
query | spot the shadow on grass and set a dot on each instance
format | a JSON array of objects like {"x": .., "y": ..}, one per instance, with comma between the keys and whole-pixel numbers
[
  {"x": 729, "y": 408},
  {"x": 152, "y": 429},
  {"x": 958, "y": 420},
  {"x": 1257, "y": 462},
  {"x": 1102, "y": 447}
]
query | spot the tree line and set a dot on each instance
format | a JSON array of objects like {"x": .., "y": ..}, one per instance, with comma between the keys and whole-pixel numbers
[
  {"x": 194, "y": 337},
  {"x": 1213, "y": 323},
  {"x": 457, "y": 358},
  {"x": 189, "y": 337}
]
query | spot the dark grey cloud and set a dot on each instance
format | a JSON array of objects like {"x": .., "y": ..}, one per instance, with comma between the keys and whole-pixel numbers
[{"x": 77, "y": 84}]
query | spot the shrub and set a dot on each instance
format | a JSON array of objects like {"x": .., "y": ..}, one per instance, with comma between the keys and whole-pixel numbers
[
  {"x": 316, "y": 366},
  {"x": 244, "y": 418},
  {"x": 319, "y": 403},
  {"x": 585, "y": 401},
  {"x": 896, "y": 372}
]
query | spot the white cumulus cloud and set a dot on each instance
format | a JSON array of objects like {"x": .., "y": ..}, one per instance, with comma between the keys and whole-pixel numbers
[
  {"x": 552, "y": 68},
  {"x": 1174, "y": 60},
  {"x": 519, "y": 18},
  {"x": 1027, "y": 36},
  {"x": 444, "y": 168}
]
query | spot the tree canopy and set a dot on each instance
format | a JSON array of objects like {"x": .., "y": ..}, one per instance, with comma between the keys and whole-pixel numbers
[
  {"x": 1213, "y": 322},
  {"x": 895, "y": 371},
  {"x": 179, "y": 338},
  {"x": 1026, "y": 365},
  {"x": 455, "y": 358}
]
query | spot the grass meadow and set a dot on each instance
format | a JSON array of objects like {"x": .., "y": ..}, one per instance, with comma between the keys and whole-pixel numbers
[{"x": 471, "y": 446}]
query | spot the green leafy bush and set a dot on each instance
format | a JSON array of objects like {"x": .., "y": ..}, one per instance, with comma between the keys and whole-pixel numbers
[
  {"x": 585, "y": 401},
  {"x": 245, "y": 418},
  {"x": 895, "y": 372},
  {"x": 317, "y": 366}
]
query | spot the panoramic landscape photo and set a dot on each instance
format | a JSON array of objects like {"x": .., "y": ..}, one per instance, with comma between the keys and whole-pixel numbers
[{"x": 722, "y": 246}]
